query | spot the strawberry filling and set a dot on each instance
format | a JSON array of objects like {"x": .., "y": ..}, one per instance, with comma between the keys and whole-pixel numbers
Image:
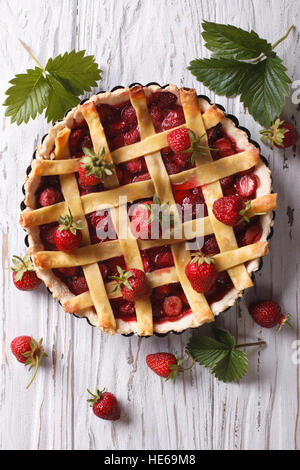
[{"x": 169, "y": 302}]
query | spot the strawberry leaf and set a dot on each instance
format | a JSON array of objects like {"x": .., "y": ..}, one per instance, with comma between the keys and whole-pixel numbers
[
  {"x": 219, "y": 354},
  {"x": 28, "y": 96},
  {"x": 59, "y": 100},
  {"x": 230, "y": 42},
  {"x": 75, "y": 71},
  {"x": 223, "y": 76},
  {"x": 56, "y": 87}
]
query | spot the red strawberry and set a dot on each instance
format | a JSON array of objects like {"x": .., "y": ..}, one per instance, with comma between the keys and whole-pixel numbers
[
  {"x": 246, "y": 186},
  {"x": 133, "y": 284},
  {"x": 142, "y": 177},
  {"x": 165, "y": 364},
  {"x": 93, "y": 167},
  {"x": 179, "y": 140},
  {"x": 68, "y": 272},
  {"x": 268, "y": 314},
  {"x": 75, "y": 140},
  {"x": 107, "y": 113},
  {"x": 126, "y": 308},
  {"x": 28, "y": 352},
  {"x": 140, "y": 226},
  {"x": 157, "y": 115},
  {"x": 202, "y": 273},
  {"x": 211, "y": 247},
  {"x": 137, "y": 165},
  {"x": 24, "y": 275},
  {"x": 128, "y": 115},
  {"x": 164, "y": 99},
  {"x": 78, "y": 285},
  {"x": 68, "y": 236},
  {"x": 253, "y": 234},
  {"x": 282, "y": 134},
  {"x": 224, "y": 148},
  {"x": 131, "y": 137},
  {"x": 47, "y": 235},
  {"x": 105, "y": 405},
  {"x": 172, "y": 306},
  {"x": 230, "y": 210},
  {"x": 227, "y": 182},
  {"x": 174, "y": 118},
  {"x": 50, "y": 196},
  {"x": 164, "y": 259}
]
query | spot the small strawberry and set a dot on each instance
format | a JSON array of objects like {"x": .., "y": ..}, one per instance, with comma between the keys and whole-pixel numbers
[
  {"x": 202, "y": 273},
  {"x": 246, "y": 186},
  {"x": 172, "y": 306},
  {"x": 105, "y": 405},
  {"x": 268, "y": 314},
  {"x": 68, "y": 236},
  {"x": 282, "y": 134},
  {"x": 93, "y": 167},
  {"x": 230, "y": 210},
  {"x": 133, "y": 284},
  {"x": 166, "y": 365},
  {"x": 184, "y": 141},
  {"x": 28, "y": 352},
  {"x": 50, "y": 196},
  {"x": 223, "y": 148},
  {"x": 24, "y": 275},
  {"x": 179, "y": 140}
]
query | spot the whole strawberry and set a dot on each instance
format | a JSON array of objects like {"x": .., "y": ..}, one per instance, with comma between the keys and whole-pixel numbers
[
  {"x": 179, "y": 140},
  {"x": 282, "y": 134},
  {"x": 24, "y": 275},
  {"x": 68, "y": 236},
  {"x": 133, "y": 284},
  {"x": 202, "y": 273},
  {"x": 28, "y": 352},
  {"x": 165, "y": 364},
  {"x": 230, "y": 210},
  {"x": 93, "y": 167},
  {"x": 268, "y": 314},
  {"x": 105, "y": 405}
]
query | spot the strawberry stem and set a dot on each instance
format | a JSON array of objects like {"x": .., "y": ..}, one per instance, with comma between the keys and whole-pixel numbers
[
  {"x": 258, "y": 343},
  {"x": 284, "y": 37},
  {"x": 32, "y": 56},
  {"x": 35, "y": 372}
]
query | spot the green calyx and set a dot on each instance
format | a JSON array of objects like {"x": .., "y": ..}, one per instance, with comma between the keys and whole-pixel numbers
[
  {"x": 159, "y": 211},
  {"x": 196, "y": 147},
  {"x": 21, "y": 265},
  {"x": 67, "y": 223},
  {"x": 96, "y": 397},
  {"x": 274, "y": 135},
  {"x": 34, "y": 357},
  {"x": 95, "y": 164},
  {"x": 202, "y": 259},
  {"x": 176, "y": 369},
  {"x": 122, "y": 279},
  {"x": 246, "y": 213}
]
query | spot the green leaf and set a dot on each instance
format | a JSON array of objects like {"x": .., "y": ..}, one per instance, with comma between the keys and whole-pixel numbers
[
  {"x": 207, "y": 351},
  {"x": 60, "y": 100},
  {"x": 219, "y": 354},
  {"x": 232, "y": 368},
  {"x": 265, "y": 89},
  {"x": 223, "y": 76},
  {"x": 75, "y": 71},
  {"x": 230, "y": 42},
  {"x": 28, "y": 96}
]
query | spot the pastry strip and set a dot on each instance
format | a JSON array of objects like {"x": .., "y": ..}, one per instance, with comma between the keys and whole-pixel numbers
[
  {"x": 163, "y": 189},
  {"x": 111, "y": 248},
  {"x": 129, "y": 247},
  {"x": 91, "y": 272},
  {"x": 224, "y": 234},
  {"x": 224, "y": 261}
]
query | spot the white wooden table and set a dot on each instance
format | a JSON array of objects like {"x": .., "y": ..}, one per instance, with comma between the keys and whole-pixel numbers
[{"x": 145, "y": 40}]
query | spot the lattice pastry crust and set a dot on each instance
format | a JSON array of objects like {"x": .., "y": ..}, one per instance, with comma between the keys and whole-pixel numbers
[{"x": 200, "y": 116}]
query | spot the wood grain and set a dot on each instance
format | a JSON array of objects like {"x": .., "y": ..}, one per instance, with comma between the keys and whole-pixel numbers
[{"x": 145, "y": 40}]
